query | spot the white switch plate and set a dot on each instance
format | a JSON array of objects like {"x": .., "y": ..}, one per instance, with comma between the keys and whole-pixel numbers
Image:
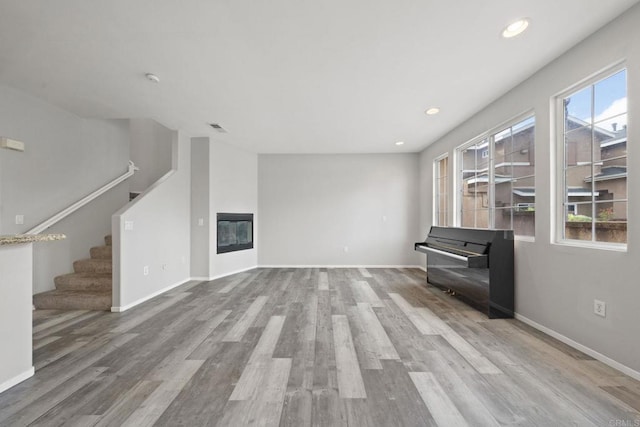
[
  {"x": 145, "y": 270},
  {"x": 19, "y": 219},
  {"x": 200, "y": 222},
  {"x": 11, "y": 144},
  {"x": 600, "y": 307},
  {"x": 128, "y": 225}
]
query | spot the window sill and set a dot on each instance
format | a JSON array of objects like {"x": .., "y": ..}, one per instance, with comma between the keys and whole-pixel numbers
[{"x": 614, "y": 247}]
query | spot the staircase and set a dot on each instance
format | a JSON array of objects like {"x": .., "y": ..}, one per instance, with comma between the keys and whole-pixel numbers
[{"x": 88, "y": 288}]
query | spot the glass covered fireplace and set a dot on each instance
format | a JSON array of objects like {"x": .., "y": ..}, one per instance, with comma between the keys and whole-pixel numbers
[{"x": 235, "y": 232}]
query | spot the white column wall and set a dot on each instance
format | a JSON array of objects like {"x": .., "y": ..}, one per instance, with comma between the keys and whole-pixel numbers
[{"x": 16, "y": 361}]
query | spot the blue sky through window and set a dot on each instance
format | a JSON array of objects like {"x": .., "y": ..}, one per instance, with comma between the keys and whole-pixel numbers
[{"x": 610, "y": 99}]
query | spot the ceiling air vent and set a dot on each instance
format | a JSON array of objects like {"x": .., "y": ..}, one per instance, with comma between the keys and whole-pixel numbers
[{"x": 218, "y": 128}]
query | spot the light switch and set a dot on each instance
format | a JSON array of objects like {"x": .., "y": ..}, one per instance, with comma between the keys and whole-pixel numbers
[
  {"x": 11, "y": 144},
  {"x": 19, "y": 219},
  {"x": 200, "y": 222},
  {"x": 128, "y": 225}
]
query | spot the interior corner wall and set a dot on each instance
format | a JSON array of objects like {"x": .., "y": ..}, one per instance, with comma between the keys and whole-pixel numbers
[
  {"x": 150, "y": 151},
  {"x": 158, "y": 242},
  {"x": 66, "y": 158},
  {"x": 338, "y": 209},
  {"x": 233, "y": 189},
  {"x": 200, "y": 208},
  {"x": 556, "y": 284}
]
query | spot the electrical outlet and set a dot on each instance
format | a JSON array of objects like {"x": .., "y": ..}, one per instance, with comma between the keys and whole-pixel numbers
[
  {"x": 200, "y": 222},
  {"x": 599, "y": 307},
  {"x": 128, "y": 225},
  {"x": 164, "y": 266},
  {"x": 19, "y": 219},
  {"x": 346, "y": 248},
  {"x": 145, "y": 270}
]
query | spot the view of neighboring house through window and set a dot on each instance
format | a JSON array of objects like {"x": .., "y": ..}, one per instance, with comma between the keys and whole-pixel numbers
[
  {"x": 594, "y": 131},
  {"x": 474, "y": 188},
  {"x": 441, "y": 198},
  {"x": 514, "y": 178},
  {"x": 497, "y": 176}
]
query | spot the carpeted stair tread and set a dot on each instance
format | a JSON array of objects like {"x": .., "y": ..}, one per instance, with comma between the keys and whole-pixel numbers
[
  {"x": 88, "y": 288},
  {"x": 84, "y": 281},
  {"x": 93, "y": 266},
  {"x": 101, "y": 252},
  {"x": 73, "y": 300}
]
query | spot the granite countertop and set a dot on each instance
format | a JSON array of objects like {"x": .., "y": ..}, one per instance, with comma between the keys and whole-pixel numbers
[{"x": 16, "y": 239}]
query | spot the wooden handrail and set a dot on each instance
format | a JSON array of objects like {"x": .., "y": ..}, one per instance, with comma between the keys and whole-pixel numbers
[{"x": 80, "y": 203}]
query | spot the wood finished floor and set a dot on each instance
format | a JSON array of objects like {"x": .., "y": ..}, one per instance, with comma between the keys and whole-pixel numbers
[{"x": 296, "y": 347}]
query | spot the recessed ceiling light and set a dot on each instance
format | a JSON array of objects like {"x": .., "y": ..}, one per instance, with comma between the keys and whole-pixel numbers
[
  {"x": 399, "y": 143},
  {"x": 152, "y": 77},
  {"x": 431, "y": 111},
  {"x": 515, "y": 28}
]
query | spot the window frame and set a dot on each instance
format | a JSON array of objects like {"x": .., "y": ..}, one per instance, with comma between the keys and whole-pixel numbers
[
  {"x": 458, "y": 181},
  {"x": 435, "y": 219},
  {"x": 558, "y": 133}
]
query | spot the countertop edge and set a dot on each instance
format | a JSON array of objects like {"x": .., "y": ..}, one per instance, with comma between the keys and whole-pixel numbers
[{"x": 17, "y": 239}]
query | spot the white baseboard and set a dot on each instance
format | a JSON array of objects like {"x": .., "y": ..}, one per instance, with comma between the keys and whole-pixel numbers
[
  {"x": 202, "y": 278},
  {"x": 338, "y": 266},
  {"x": 120, "y": 309},
  {"x": 598, "y": 356},
  {"x": 242, "y": 270},
  {"x": 17, "y": 379}
]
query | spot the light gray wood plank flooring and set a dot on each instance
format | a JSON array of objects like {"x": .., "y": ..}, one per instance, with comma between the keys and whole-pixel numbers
[{"x": 302, "y": 347}]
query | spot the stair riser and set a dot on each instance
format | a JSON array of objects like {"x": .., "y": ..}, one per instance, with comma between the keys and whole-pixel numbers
[
  {"x": 54, "y": 302},
  {"x": 101, "y": 252},
  {"x": 93, "y": 266},
  {"x": 98, "y": 285}
]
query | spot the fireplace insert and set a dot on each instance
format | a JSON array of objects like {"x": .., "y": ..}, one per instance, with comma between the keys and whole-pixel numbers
[{"x": 235, "y": 232}]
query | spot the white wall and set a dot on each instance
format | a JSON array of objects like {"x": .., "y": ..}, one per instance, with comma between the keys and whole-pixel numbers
[
  {"x": 66, "y": 158},
  {"x": 555, "y": 284},
  {"x": 15, "y": 315},
  {"x": 233, "y": 189},
  {"x": 223, "y": 179},
  {"x": 160, "y": 238},
  {"x": 150, "y": 151},
  {"x": 313, "y": 206},
  {"x": 200, "y": 209}
]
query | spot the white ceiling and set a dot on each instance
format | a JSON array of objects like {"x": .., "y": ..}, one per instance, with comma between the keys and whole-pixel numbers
[{"x": 287, "y": 76}]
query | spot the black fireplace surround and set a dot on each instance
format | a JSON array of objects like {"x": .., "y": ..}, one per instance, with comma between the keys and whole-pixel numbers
[{"x": 235, "y": 232}]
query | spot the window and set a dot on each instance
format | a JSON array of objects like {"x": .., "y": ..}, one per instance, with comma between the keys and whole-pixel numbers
[
  {"x": 440, "y": 195},
  {"x": 497, "y": 189},
  {"x": 594, "y": 155}
]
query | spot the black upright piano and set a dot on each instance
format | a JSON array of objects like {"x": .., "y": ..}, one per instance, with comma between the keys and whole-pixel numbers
[{"x": 474, "y": 264}]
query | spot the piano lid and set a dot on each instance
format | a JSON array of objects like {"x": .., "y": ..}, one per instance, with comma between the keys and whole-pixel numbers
[{"x": 463, "y": 241}]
